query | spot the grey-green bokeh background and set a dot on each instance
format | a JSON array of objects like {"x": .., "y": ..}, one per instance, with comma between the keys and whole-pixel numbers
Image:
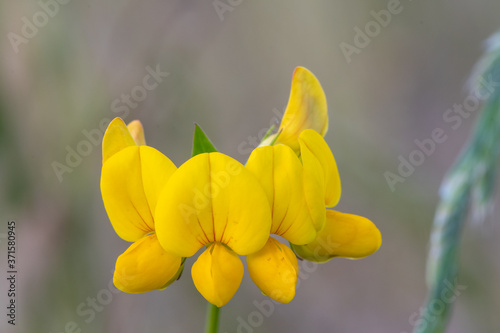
[{"x": 228, "y": 75}]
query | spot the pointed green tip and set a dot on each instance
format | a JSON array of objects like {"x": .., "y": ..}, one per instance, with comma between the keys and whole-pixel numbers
[{"x": 201, "y": 143}]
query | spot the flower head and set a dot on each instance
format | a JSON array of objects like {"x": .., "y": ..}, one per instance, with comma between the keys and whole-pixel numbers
[
  {"x": 301, "y": 179},
  {"x": 131, "y": 178},
  {"x": 298, "y": 191},
  {"x": 213, "y": 202}
]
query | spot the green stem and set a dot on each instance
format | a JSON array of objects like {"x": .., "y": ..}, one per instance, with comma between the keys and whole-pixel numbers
[{"x": 212, "y": 322}]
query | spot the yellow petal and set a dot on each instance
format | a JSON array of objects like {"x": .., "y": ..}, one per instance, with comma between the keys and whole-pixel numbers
[
  {"x": 116, "y": 138},
  {"x": 314, "y": 143},
  {"x": 275, "y": 270},
  {"x": 212, "y": 197},
  {"x": 217, "y": 274},
  {"x": 280, "y": 172},
  {"x": 314, "y": 187},
  {"x": 137, "y": 132},
  {"x": 344, "y": 235},
  {"x": 156, "y": 171},
  {"x": 306, "y": 108},
  {"x": 130, "y": 183},
  {"x": 145, "y": 266}
]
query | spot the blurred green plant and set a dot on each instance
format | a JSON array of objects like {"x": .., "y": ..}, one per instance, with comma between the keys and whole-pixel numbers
[{"x": 468, "y": 185}]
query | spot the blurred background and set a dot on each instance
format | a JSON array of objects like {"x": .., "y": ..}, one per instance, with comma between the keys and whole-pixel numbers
[{"x": 67, "y": 67}]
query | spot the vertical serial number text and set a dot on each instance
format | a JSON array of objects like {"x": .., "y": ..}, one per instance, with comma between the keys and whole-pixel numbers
[{"x": 11, "y": 272}]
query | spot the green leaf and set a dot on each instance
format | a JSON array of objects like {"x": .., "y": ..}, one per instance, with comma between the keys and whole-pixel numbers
[{"x": 201, "y": 143}]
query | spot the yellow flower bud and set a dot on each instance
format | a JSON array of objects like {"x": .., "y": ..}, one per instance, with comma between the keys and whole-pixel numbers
[{"x": 137, "y": 132}]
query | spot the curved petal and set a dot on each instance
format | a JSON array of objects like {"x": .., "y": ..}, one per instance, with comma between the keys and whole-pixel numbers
[
  {"x": 314, "y": 143},
  {"x": 275, "y": 270},
  {"x": 137, "y": 132},
  {"x": 345, "y": 235},
  {"x": 145, "y": 266},
  {"x": 212, "y": 197},
  {"x": 116, "y": 138},
  {"x": 130, "y": 184},
  {"x": 217, "y": 274},
  {"x": 156, "y": 171},
  {"x": 280, "y": 173},
  {"x": 306, "y": 108},
  {"x": 314, "y": 187},
  {"x": 123, "y": 195}
]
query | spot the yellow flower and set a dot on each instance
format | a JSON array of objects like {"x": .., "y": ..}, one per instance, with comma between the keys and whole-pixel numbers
[
  {"x": 306, "y": 109},
  {"x": 302, "y": 128},
  {"x": 131, "y": 179},
  {"x": 298, "y": 193},
  {"x": 212, "y": 200}
]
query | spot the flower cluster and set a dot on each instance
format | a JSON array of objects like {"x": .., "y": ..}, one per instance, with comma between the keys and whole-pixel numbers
[{"x": 213, "y": 201}]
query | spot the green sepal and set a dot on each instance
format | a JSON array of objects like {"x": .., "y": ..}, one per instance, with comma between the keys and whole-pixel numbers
[
  {"x": 201, "y": 143},
  {"x": 268, "y": 133}
]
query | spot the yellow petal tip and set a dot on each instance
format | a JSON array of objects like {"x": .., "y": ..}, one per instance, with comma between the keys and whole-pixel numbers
[
  {"x": 274, "y": 269},
  {"x": 306, "y": 109},
  {"x": 116, "y": 138},
  {"x": 217, "y": 274}
]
